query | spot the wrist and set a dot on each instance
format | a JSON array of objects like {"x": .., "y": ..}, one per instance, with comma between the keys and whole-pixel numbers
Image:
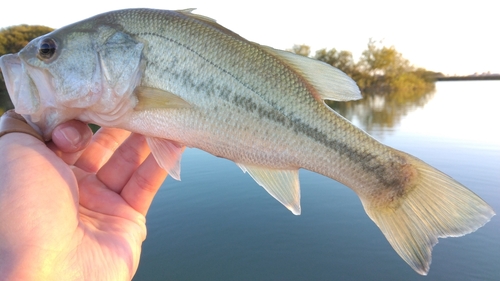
[
  {"x": 18, "y": 264},
  {"x": 11, "y": 122}
]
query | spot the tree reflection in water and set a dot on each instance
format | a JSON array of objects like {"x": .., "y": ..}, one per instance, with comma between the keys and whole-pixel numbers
[{"x": 381, "y": 110}]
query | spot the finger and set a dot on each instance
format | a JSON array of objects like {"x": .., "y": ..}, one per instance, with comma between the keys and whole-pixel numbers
[
  {"x": 99, "y": 200},
  {"x": 69, "y": 139},
  {"x": 143, "y": 185},
  {"x": 101, "y": 147},
  {"x": 122, "y": 164}
]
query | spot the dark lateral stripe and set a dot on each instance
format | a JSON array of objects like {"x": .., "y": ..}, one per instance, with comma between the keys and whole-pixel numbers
[{"x": 367, "y": 161}]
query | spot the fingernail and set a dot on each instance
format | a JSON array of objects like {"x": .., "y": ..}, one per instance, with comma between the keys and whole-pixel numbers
[{"x": 71, "y": 135}]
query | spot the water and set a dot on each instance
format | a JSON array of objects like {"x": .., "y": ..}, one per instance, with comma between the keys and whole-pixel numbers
[{"x": 217, "y": 224}]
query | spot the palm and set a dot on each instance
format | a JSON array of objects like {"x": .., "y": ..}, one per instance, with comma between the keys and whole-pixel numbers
[{"x": 87, "y": 217}]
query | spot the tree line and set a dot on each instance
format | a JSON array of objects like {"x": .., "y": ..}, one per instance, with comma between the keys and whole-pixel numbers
[
  {"x": 390, "y": 85},
  {"x": 379, "y": 70}
]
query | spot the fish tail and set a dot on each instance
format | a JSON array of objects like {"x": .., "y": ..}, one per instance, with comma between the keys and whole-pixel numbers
[{"x": 436, "y": 206}]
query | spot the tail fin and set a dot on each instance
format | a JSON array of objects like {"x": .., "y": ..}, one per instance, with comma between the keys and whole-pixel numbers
[{"x": 437, "y": 207}]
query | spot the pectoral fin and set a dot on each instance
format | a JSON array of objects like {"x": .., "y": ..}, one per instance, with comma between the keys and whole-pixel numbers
[
  {"x": 168, "y": 155},
  {"x": 283, "y": 185},
  {"x": 149, "y": 98}
]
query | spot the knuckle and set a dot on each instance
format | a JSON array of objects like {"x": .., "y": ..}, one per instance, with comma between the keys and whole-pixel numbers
[{"x": 145, "y": 182}]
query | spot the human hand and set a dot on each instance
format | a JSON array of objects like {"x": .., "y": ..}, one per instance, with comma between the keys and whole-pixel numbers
[{"x": 74, "y": 208}]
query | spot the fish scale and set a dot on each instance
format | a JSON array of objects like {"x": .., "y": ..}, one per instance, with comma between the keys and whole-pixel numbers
[{"x": 181, "y": 79}]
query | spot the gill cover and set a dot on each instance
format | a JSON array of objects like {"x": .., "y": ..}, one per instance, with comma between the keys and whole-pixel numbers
[{"x": 120, "y": 60}]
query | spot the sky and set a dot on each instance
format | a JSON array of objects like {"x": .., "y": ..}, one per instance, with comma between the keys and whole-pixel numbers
[{"x": 452, "y": 37}]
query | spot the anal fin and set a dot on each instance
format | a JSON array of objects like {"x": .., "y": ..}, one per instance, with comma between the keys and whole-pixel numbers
[
  {"x": 283, "y": 185},
  {"x": 168, "y": 155}
]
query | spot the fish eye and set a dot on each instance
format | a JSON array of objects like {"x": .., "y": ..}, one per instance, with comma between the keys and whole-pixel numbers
[{"x": 47, "y": 49}]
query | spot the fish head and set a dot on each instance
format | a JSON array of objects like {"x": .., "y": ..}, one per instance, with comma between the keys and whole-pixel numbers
[{"x": 85, "y": 71}]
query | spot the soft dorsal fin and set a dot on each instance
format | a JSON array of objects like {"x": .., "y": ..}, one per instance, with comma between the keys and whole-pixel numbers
[
  {"x": 168, "y": 155},
  {"x": 330, "y": 82},
  {"x": 283, "y": 185},
  {"x": 149, "y": 98}
]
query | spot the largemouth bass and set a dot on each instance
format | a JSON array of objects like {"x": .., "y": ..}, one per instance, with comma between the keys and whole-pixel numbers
[{"x": 181, "y": 79}]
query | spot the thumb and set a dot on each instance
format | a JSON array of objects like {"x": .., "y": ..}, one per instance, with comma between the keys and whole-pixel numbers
[{"x": 69, "y": 139}]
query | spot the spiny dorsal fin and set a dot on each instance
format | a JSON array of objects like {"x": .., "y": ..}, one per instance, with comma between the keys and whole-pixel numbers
[
  {"x": 283, "y": 185},
  {"x": 189, "y": 12},
  {"x": 330, "y": 82},
  {"x": 210, "y": 22}
]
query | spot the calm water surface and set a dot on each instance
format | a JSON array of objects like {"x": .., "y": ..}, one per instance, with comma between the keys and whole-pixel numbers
[{"x": 217, "y": 224}]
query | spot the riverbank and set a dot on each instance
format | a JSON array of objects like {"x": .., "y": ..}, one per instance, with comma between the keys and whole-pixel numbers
[{"x": 468, "y": 78}]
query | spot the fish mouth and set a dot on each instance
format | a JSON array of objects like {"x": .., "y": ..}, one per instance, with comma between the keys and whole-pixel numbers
[
  {"x": 21, "y": 87},
  {"x": 24, "y": 93},
  {"x": 11, "y": 67}
]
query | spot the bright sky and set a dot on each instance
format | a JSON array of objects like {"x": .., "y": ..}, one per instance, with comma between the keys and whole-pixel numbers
[{"x": 453, "y": 37}]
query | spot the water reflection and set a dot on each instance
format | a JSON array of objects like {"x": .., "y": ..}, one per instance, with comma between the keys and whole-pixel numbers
[
  {"x": 381, "y": 111},
  {"x": 217, "y": 224}
]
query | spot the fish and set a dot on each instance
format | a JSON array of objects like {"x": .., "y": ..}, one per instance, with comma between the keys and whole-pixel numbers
[{"x": 183, "y": 80}]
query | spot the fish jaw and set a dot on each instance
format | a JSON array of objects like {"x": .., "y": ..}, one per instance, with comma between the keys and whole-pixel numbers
[
  {"x": 22, "y": 91},
  {"x": 32, "y": 95}
]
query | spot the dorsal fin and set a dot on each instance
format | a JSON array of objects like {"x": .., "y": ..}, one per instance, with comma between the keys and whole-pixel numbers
[
  {"x": 189, "y": 12},
  {"x": 330, "y": 82},
  {"x": 210, "y": 22}
]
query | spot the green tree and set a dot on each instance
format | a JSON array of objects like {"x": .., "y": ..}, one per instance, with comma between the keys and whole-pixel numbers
[
  {"x": 380, "y": 69},
  {"x": 302, "y": 50},
  {"x": 12, "y": 40},
  {"x": 387, "y": 71},
  {"x": 384, "y": 61}
]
